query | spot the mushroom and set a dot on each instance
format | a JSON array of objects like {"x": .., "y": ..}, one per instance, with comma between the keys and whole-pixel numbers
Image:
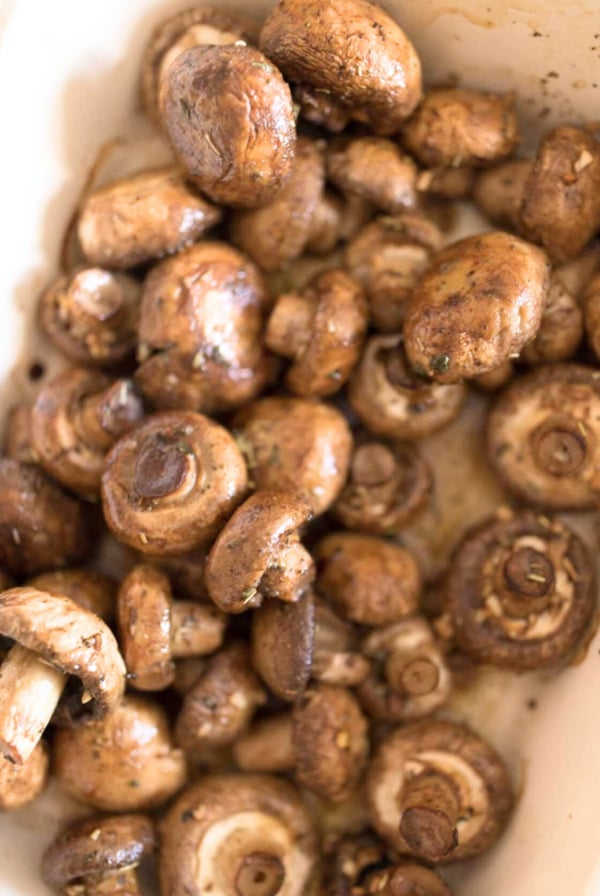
[
  {"x": 392, "y": 400},
  {"x": 320, "y": 108},
  {"x": 375, "y": 169},
  {"x": 229, "y": 116},
  {"x": 54, "y": 639},
  {"x": 498, "y": 192},
  {"x": 99, "y": 856},
  {"x": 447, "y": 183},
  {"x": 321, "y": 330},
  {"x": 388, "y": 484},
  {"x": 20, "y": 784},
  {"x": 410, "y": 678},
  {"x": 479, "y": 303},
  {"x": 91, "y": 315},
  {"x": 283, "y": 635},
  {"x": 353, "y": 51},
  {"x": 521, "y": 592},
  {"x": 336, "y": 655},
  {"x": 454, "y": 126},
  {"x": 542, "y": 436},
  {"x": 590, "y": 301},
  {"x": 76, "y": 418},
  {"x": 141, "y": 218},
  {"x": 186, "y": 573},
  {"x": 561, "y": 327},
  {"x": 267, "y": 745},
  {"x": 348, "y": 863},
  {"x": 437, "y": 791},
  {"x": 292, "y": 444},
  {"x": 498, "y": 378},
  {"x": 154, "y": 629},
  {"x": 170, "y": 485},
  {"x": 89, "y": 589},
  {"x": 248, "y": 835},
  {"x": 388, "y": 256},
  {"x": 187, "y": 672},
  {"x": 406, "y": 879},
  {"x": 368, "y": 580},
  {"x": 17, "y": 434},
  {"x": 326, "y": 225},
  {"x": 258, "y": 553}
]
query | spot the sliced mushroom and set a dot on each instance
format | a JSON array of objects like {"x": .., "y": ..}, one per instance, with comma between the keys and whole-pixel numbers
[
  {"x": 283, "y": 635},
  {"x": 169, "y": 486},
  {"x": 438, "y": 791},
  {"x": 337, "y": 658},
  {"x": 406, "y": 879},
  {"x": 561, "y": 327},
  {"x": 18, "y": 443},
  {"x": 499, "y": 191},
  {"x": 88, "y": 588},
  {"x": 376, "y": 170},
  {"x": 521, "y": 592},
  {"x": 320, "y": 108},
  {"x": 20, "y": 784},
  {"x": 590, "y": 301}
]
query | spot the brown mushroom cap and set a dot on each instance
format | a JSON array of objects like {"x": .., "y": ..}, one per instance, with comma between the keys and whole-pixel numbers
[
  {"x": 353, "y": 50},
  {"x": 336, "y": 651},
  {"x": 375, "y": 169},
  {"x": 368, "y": 580},
  {"x": 229, "y": 116},
  {"x": 282, "y": 644},
  {"x": 437, "y": 791},
  {"x": 169, "y": 486},
  {"x": 392, "y": 400},
  {"x": 521, "y": 592},
  {"x": 250, "y": 835},
  {"x": 407, "y": 879},
  {"x": 258, "y": 553},
  {"x": 122, "y": 763},
  {"x": 561, "y": 327},
  {"x": 498, "y": 378},
  {"x": 498, "y": 192},
  {"x": 20, "y": 784},
  {"x": 88, "y": 588},
  {"x": 478, "y": 304},
  {"x": 145, "y": 628},
  {"x": 590, "y": 301},
  {"x": 543, "y": 437},
  {"x": 292, "y": 444}
]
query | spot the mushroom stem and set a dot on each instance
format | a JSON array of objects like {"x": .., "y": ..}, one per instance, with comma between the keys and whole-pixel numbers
[
  {"x": 559, "y": 445},
  {"x": 415, "y": 675},
  {"x": 123, "y": 882},
  {"x": 373, "y": 464},
  {"x": 260, "y": 874},
  {"x": 196, "y": 629},
  {"x": 101, "y": 418},
  {"x": 289, "y": 325},
  {"x": 29, "y": 693},
  {"x": 527, "y": 582},
  {"x": 430, "y": 814},
  {"x": 290, "y": 575}
]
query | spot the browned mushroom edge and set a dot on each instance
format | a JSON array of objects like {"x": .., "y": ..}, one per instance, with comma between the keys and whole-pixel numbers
[{"x": 282, "y": 640}]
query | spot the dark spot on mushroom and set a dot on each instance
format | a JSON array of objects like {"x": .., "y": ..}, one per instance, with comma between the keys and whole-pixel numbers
[{"x": 36, "y": 371}]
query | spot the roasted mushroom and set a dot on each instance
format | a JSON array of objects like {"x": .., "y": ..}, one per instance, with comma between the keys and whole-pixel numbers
[
  {"x": 267, "y": 745},
  {"x": 447, "y": 183},
  {"x": 17, "y": 434},
  {"x": 320, "y": 108},
  {"x": 561, "y": 327},
  {"x": 88, "y": 588},
  {"x": 374, "y": 169},
  {"x": 349, "y": 861},
  {"x": 353, "y": 51},
  {"x": 498, "y": 377},
  {"x": 20, "y": 784},
  {"x": 499, "y": 191},
  {"x": 437, "y": 791},
  {"x": 336, "y": 654},
  {"x": 590, "y": 301},
  {"x": 169, "y": 486},
  {"x": 406, "y": 879},
  {"x": 521, "y": 592},
  {"x": 479, "y": 303},
  {"x": 283, "y": 636},
  {"x": 229, "y": 116}
]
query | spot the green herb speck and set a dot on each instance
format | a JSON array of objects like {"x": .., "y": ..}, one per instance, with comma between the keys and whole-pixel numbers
[
  {"x": 186, "y": 108},
  {"x": 440, "y": 363}
]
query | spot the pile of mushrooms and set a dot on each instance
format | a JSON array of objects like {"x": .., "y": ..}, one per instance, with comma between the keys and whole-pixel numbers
[{"x": 213, "y": 625}]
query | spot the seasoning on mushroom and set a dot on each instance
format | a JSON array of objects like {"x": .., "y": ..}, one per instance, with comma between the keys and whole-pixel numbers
[
  {"x": 498, "y": 192},
  {"x": 375, "y": 169},
  {"x": 336, "y": 654},
  {"x": 88, "y": 588},
  {"x": 282, "y": 641},
  {"x": 561, "y": 327},
  {"x": 20, "y": 784}
]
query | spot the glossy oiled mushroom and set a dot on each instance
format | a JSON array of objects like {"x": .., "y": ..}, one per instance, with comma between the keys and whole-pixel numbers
[
  {"x": 169, "y": 486},
  {"x": 55, "y": 640},
  {"x": 561, "y": 327},
  {"x": 352, "y": 50},
  {"x": 154, "y": 630},
  {"x": 336, "y": 654},
  {"x": 142, "y": 218},
  {"x": 368, "y": 580},
  {"x": 122, "y": 763},
  {"x": 499, "y": 191},
  {"x": 17, "y": 434},
  {"x": 258, "y": 553},
  {"x": 229, "y": 116},
  {"x": 542, "y": 436},
  {"x": 99, "y": 856},
  {"x": 88, "y": 588},
  {"x": 479, "y": 303},
  {"x": 376, "y": 170},
  {"x": 20, "y": 784},
  {"x": 283, "y": 636},
  {"x": 590, "y": 301},
  {"x": 438, "y": 791},
  {"x": 321, "y": 329},
  {"x": 248, "y": 835},
  {"x": 406, "y": 879},
  {"x": 392, "y": 400},
  {"x": 521, "y": 592}
]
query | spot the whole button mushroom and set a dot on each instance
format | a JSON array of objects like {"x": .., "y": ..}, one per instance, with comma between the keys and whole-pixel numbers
[
  {"x": 99, "y": 856},
  {"x": 321, "y": 330},
  {"x": 392, "y": 400},
  {"x": 169, "y": 486},
  {"x": 283, "y": 636},
  {"x": 76, "y": 418},
  {"x": 229, "y": 116},
  {"x": 20, "y": 784},
  {"x": 258, "y": 553},
  {"x": 406, "y": 879},
  {"x": 479, "y": 303},
  {"x": 248, "y": 835},
  {"x": 590, "y": 301},
  {"x": 498, "y": 192},
  {"x": 154, "y": 630},
  {"x": 542, "y": 437},
  {"x": 561, "y": 327},
  {"x": 353, "y": 51},
  {"x": 292, "y": 444},
  {"x": 437, "y": 791},
  {"x": 88, "y": 588},
  {"x": 141, "y": 218},
  {"x": 521, "y": 592},
  {"x": 54, "y": 639},
  {"x": 336, "y": 654},
  {"x": 375, "y": 169}
]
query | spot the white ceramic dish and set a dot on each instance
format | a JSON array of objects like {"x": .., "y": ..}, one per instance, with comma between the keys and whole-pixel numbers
[{"x": 68, "y": 73}]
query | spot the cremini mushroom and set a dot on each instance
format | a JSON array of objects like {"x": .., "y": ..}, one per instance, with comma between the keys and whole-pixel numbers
[
  {"x": 498, "y": 192},
  {"x": 406, "y": 879},
  {"x": 186, "y": 573},
  {"x": 392, "y": 400},
  {"x": 282, "y": 641},
  {"x": 543, "y": 439},
  {"x": 292, "y": 444},
  {"x": 590, "y": 301},
  {"x": 437, "y": 791},
  {"x": 258, "y": 553},
  {"x": 497, "y": 378},
  {"x": 321, "y": 108},
  {"x": 336, "y": 654},
  {"x": 141, "y": 218},
  {"x": 99, "y": 856},
  {"x": 18, "y": 443},
  {"x": 154, "y": 630},
  {"x": 561, "y": 327},
  {"x": 368, "y": 580},
  {"x": 349, "y": 860},
  {"x": 447, "y": 183},
  {"x": 20, "y": 784},
  {"x": 55, "y": 639},
  {"x": 350, "y": 49},
  {"x": 478, "y": 304},
  {"x": 90, "y": 589},
  {"x": 169, "y": 485},
  {"x": 267, "y": 745},
  {"x": 375, "y": 169},
  {"x": 229, "y": 116},
  {"x": 321, "y": 329},
  {"x": 521, "y": 592},
  {"x": 248, "y": 835}
]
